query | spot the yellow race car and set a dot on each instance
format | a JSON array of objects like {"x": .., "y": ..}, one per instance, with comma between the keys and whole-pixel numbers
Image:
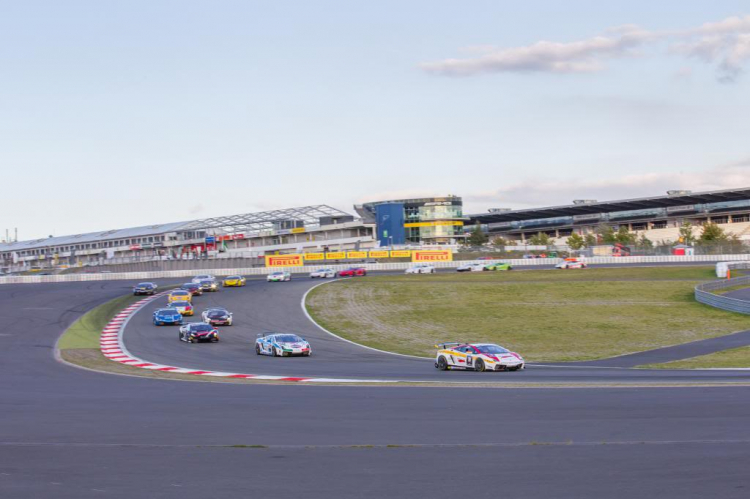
[
  {"x": 179, "y": 295},
  {"x": 183, "y": 307},
  {"x": 233, "y": 281}
]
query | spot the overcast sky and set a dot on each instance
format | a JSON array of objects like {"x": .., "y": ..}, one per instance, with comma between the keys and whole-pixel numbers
[{"x": 117, "y": 114}]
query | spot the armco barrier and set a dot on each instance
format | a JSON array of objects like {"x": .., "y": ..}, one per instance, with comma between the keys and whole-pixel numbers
[
  {"x": 530, "y": 262},
  {"x": 704, "y": 293}
]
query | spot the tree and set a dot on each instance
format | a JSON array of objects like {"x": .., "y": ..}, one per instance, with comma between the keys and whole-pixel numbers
[
  {"x": 540, "y": 239},
  {"x": 624, "y": 236},
  {"x": 686, "y": 233},
  {"x": 644, "y": 242},
  {"x": 606, "y": 234},
  {"x": 499, "y": 241},
  {"x": 589, "y": 240},
  {"x": 477, "y": 237},
  {"x": 575, "y": 241},
  {"x": 712, "y": 233}
]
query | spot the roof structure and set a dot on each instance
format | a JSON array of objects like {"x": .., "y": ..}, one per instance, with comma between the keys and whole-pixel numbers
[
  {"x": 586, "y": 208},
  {"x": 250, "y": 224}
]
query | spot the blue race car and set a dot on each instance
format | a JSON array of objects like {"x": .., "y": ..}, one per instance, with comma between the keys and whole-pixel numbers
[{"x": 167, "y": 316}]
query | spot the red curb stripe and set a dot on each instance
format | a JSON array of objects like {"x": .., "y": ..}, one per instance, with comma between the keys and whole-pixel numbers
[
  {"x": 166, "y": 369},
  {"x": 198, "y": 372},
  {"x": 243, "y": 376},
  {"x": 293, "y": 379},
  {"x": 143, "y": 365}
]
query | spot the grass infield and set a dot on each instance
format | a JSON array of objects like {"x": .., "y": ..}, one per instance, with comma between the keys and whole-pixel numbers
[
  {"x": 736, "y": 357},
  {"x": 546, "y": 315}
]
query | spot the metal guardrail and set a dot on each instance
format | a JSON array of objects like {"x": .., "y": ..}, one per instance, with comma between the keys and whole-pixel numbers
[{"x": 705, "y": 293}]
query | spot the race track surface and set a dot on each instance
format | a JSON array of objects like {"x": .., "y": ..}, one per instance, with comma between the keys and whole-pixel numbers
[
  {"x": 72, "y": 433},
  {"x": 261, "y": 307}
]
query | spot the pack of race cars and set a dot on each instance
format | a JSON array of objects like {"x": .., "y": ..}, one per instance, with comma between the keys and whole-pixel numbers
[{"x": 450, "y": 356}]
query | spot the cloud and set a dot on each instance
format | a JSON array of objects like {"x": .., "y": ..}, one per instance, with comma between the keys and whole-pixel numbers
[
  {"x": 725, "y": 44},
  {"x": 562, "y": 192}
]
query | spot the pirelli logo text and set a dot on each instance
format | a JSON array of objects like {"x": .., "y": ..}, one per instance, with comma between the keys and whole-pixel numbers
[
  {"x": 432, "y": 256},
  {"x": 284, "y": 261}
]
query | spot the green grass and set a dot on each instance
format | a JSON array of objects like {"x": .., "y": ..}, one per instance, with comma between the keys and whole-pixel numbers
[
  {"x": 736, "y": 357},
  {"x": 546, "y": 315},
  {"x": 84, "y": 333}
]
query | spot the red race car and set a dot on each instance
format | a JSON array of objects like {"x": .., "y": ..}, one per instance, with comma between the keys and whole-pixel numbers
[{"x": 354, "y": 271}]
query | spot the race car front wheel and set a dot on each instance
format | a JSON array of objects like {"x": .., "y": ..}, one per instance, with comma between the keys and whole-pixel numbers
[
  {"x": 442, "y": 364},
  {"x": 257, "y": 349}
]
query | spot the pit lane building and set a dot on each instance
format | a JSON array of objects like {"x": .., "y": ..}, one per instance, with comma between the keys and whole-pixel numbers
[
  {"x": 308, "y": 228},
  {"x": 658, "y": 218}
]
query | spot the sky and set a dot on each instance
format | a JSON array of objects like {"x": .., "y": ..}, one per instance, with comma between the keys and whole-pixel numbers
[{"x": 120, "y": 114}]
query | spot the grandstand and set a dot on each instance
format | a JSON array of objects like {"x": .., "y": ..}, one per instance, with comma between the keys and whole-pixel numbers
[
  {"x": 658, "y": 218},
  {"x": 308, "y": 228}
]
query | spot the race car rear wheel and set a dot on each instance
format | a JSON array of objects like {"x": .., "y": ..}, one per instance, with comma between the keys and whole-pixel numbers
[
  {"x": 442, "y": 364},
  {"x": 479, "y": 365}
]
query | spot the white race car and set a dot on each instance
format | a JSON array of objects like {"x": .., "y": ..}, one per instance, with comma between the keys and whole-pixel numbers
[
  {"x": 197, "y": 279},
  {"x": 422, "y": 268},
  {"x": 282, "y": 345},
  {"x": 471, "y": 267},
  {"x": 571, "y": 264},
  {"x": 323, "y": 273},
  {"x": 279, "y": 276},
  {"x": 477, "y": 357}
]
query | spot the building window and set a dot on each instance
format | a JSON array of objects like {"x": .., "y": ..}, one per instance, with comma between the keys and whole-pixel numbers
[
  {"x": 741, "y": 218},
  {"x": 661, "y": 224}
]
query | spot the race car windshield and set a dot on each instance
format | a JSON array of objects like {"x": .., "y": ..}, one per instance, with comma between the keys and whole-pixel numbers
[
  {"x": 181, "y": 304},
  {"x": 288, "y": 338},
  {"x": 217, "y": 313},
  {"x": 201, "y": 327},
  {"x": 233, "y": 278},
  {"x": 491, "y": 349},
  {"x": 145, "y": 285}
]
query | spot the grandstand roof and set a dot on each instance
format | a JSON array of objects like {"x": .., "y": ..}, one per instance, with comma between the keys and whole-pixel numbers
[
  {"x": 249, "y": 224},
  {"x": 689, "y": 198}
]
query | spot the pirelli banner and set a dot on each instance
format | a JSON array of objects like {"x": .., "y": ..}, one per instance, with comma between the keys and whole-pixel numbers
[
  {"x": 380, "y": 254},
  {"x": 284, "y": 261},
  {"x": 431, "y": 256},
  {"x": 315, "y": 257}
]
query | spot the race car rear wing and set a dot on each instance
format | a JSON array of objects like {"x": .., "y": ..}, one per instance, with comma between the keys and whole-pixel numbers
[{"x": 447, "y": 344}]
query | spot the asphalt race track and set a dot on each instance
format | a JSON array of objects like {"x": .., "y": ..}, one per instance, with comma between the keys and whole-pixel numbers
[
  {"x": 261, "y": 307},
  {"x": 72, "y": 433}
]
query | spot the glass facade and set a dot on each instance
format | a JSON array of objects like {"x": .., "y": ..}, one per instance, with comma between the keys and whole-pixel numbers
[{"x": 424, "y": 221}]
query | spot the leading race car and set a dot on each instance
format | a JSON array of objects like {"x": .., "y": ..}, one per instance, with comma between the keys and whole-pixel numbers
[
  {"x": 282, "y": 345},
  {"x": 498, "y": 266},
  {"x": 279, "y": 276},
  {"x": 233, "y": 281},
  {"x": 571, "y": 264},
  {"x": 323, "y": 274},
  {"x": 198, "y": 331},
  {"x": 217, "y": 316},
  {"x": 353, "y": 271},
  {"x": 471, "y": 267},
  {"x": 477, "y": 357},
  {"x": 422, "y": 268},
  {"x": 144, "y": 288},
  {"x": 197, "y": 279},
  {"x": 165, "y": 316}
]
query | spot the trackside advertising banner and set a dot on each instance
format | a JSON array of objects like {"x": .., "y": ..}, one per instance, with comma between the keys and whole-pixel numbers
[
  {"x": 432, "y": 256},
  {"x": 356, "y": 254},
  {"x": 379, "y": 254},
  {"x": 336, "y": 255},
  {"x": 315, "y": 256},
  {"x": 284, "y": 261},
  {"x": 400, "y": 253}
]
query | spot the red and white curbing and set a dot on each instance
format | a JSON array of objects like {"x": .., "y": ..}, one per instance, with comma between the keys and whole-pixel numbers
[{"x": 112, "y": 346}]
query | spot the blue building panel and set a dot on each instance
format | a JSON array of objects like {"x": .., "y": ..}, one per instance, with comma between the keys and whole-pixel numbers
[{"x": 390, "y": 223}]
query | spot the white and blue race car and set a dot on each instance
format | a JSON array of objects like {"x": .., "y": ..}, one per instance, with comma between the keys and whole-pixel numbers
[{"x": 282, "y": 345}]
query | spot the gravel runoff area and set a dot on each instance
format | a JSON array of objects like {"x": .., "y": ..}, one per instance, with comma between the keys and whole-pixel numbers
[{"x": 548, "y": 316}]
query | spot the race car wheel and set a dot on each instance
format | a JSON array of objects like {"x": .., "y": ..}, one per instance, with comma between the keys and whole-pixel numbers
[
  {"x": 257, "y": 349},
  {"x": 442, "y": 364},
  {"x": 273, "y": 352},
  {"x": 479, "y": 365}
]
